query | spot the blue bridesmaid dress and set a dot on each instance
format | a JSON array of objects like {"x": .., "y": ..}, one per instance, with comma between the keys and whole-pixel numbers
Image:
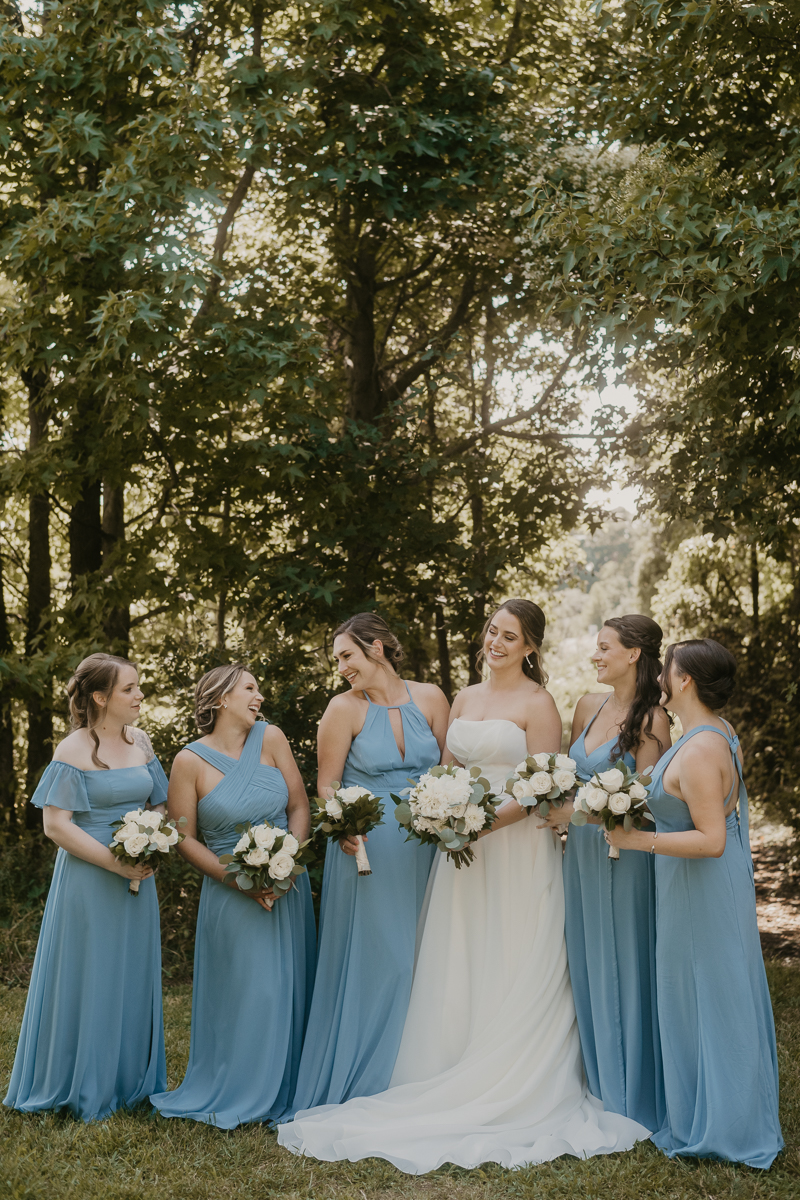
[
  {"x": 368, "y": 925},
  {"x": 92, "y": 1037},
  {"x": 252, "y": 968},
  {"x": 717, "y": 1030},
  {"x": 610, "y": 932}
]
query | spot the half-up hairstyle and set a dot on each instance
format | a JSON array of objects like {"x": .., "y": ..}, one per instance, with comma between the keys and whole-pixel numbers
[
  {"x": 636, "y": 632},
  {"x": 367, "y": 628},
  {"x": 711, "y": 666},
  {"x": 209, "y": 691},
  {"x": 532, "y": 622},
  {"x": 97, "y": 673}
]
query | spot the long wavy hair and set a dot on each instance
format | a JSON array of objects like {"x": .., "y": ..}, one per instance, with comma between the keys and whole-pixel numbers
[
  {"x": 532, "y": 622},
  {"x": 639, "y": 633},
  {"x": 97, "y": 673}
]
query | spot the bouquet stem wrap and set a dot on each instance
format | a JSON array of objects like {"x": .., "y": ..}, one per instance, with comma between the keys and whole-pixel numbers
[
  {"x": 362, "y": 862},
  {"x": 350, "y": 812}
]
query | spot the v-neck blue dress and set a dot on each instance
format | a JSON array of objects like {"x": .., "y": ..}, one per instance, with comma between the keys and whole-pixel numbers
[
  {"x": 92, "y": 1037},
  {"x": 715, "y": 1014},
  {"x": 368, "y": 925},
  {"x": 610, "y": 930},
  {"x": 252, "y": 968}
]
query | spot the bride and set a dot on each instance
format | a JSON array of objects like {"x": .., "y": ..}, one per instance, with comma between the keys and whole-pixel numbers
[{"x": 489, "y": 1067}]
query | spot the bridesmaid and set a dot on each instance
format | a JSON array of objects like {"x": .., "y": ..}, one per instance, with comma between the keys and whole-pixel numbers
[
  {"x": 92, "y": 1038},
  {"x": 610, "y": 906},
  {"x": 715, "y": 1016},
  {"x": 381, "y": 734},
  {"x": 252, "y": 962}
]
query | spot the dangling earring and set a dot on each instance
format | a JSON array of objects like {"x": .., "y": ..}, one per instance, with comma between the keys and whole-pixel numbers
[{"x": 528, "y": 661}]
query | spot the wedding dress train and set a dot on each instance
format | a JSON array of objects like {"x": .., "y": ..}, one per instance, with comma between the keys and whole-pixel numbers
[{"x": 489, "y": 1067}]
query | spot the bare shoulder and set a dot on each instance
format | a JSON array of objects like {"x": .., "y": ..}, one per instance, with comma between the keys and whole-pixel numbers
[
  {"x": 142, "y": 740},
  {"x": 463, "y": 695},
  {"x": 344, "y": 702},
  {"x": 185, "y": 762},
  {"x": 703, "y": 750},
  {"x": 425, "y": 692},
  {"x": 73, "y": 749},
  {"x": 540, "y": 700},
  {"x": 660, "y": 727},
  {"x": 274, "y": 736},
  {"x": 589, "y": 704}
]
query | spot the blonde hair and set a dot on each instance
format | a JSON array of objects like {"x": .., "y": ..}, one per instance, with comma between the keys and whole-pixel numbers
[
  {"x": 97, "y": 673},
  {"x": 209, "y": 691},
  {"x": 367, "y": 628}
]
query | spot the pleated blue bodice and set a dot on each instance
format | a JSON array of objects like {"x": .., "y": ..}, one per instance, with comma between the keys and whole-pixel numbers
[{"x": 250, "y": 791}]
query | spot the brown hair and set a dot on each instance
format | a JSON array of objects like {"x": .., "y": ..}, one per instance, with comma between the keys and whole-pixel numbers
[
  {"x": 711, "y": 666},
  {"x": 209, "y": 691},
  {"x": 367, "y": 628},
  {"x": 639, "y": 632},
  {"x": 97, "y": 673},
  {"x": 532, "y": 622}
]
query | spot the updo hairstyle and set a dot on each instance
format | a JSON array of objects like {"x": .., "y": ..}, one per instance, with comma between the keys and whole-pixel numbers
[
  {"x": 367, "y": 628},
  {"x": 711, "y": 666},
  {"x": 97, "y": 673},
  {"x": 209, "y": 691},
  {"x": 532, "y": 623},
  {"x": 638, "y": 632}
]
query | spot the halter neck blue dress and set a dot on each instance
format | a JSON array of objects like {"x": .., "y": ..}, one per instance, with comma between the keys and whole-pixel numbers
[
  {"x": 92, "y": 1037},
  {"x": 252, "y": 968},
  {"x": 715, "y": 1015},
  {"x": 368, "y": 925},
  {"x": 610, "y": 931}
]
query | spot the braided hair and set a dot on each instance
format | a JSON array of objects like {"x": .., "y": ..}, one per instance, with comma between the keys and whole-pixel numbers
[{"x": 636, "y": 632}]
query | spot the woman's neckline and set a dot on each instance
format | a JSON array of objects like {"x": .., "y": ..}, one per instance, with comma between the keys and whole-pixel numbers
[
  {"x": 489, "y": 721},
  {"x": 96, "y": 770}
]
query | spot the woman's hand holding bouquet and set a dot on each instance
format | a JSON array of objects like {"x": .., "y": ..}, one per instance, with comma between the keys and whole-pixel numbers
[
  {"x": 141, "y": 834},
  {"x": 349, "y": 812},
  {"x": 616, "y": 796}
]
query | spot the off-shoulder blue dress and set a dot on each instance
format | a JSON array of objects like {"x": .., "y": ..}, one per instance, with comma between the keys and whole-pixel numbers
[
  {"x": 368, "y": 925},
  {"x": 92, "y": 1037},
  {"x": 253, "y": 969},
  {"x": 715, "y": 1013},
  {"x": 610, "y": 908}
]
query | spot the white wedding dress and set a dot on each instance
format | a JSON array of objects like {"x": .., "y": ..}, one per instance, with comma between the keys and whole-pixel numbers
[{"x": 489, "y": 1067}]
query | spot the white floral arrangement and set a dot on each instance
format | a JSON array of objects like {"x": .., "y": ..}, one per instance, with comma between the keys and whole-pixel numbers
[
  {"x": 141, "y": 833},
  {"x": 616, "y": 795},
  {"x": 265, "y": 856},
  {"x": 541, "y": 780},
  {"x": 349, "y": 812},
  {"x": 448, "y": 807}
]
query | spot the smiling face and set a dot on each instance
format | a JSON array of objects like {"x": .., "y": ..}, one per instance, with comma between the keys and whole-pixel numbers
[
  {"x": 360, "y": 671},
  {"x": 504, "y": 646},
  {"x": 123, "y": 702},
  {"x": 243, "y": 701},
  {"x": 612, "y": 660}
]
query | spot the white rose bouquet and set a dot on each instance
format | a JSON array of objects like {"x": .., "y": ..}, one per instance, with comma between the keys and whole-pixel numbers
[
  {"x": 615, "y": 795},
  {"x": 265, "y": 856},
  {"x": 541, "y": 780},
  {"x": 141, "y": 833},
  {"x": 449, "y": 807},
  {"x": 349, "y": 812}
]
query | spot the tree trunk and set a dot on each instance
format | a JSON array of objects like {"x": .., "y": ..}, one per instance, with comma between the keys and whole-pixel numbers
[
  {"x": 40, "y": 706},
  {"x": 754, "y": 587},
  {"x": 117, "y": 624},
  {"x": 8, "y": 815},
  {"x": 479, "y": 597},
  {"x": 86, "y": 532},
  {"x": 365, "y": 392},
  {"x": 445, "y": 667}
]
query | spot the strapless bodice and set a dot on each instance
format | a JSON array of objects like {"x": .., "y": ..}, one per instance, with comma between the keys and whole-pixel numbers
[{"x": 496, "y": 746}]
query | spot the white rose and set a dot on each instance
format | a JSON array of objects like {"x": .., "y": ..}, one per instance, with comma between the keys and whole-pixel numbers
[
  {"x": 596, "y": 798},
  {"x": 563, "y": 779},
  {"x": 171, "y": 836},
  {"x": 541, "y": 783},
  {"x": 257, "y": 857},
  {"x": 462, "y": 773},
  {"x": 290, "y": 844},
  {"x": 136, "y": 844},
  {"x": 542, "y": 761},
  {"x": 565, "y": 763},
  {"x": 150, "y": 819},
  {"x": 619, "y": 803},
  {"x": 281, "y": 865},
  {"x": 126, "y": 831},
  {"x": 264, "y": 836},
  {"x": 456, "y": 791},
  {"x": 457, "y": 811},
  {"x": 637, "y": 791},
  {"x": 333, "y": 808},
  {"x": 349, "y": 795},
  {"x": 521, "y": 768},
  {"x": 133, "y": 816},
  {"x": 242, "y": 844},
  {"x": 425, "y": 825},
  {"x": 474, "y": 818},
  {"x": 612, "y": 780},
  {"x": 522, "y": 789},
  {"x": 160, "y": 841}
]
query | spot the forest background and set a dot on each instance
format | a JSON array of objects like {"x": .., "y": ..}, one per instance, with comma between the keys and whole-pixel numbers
[{"x": 318, "y": 307}]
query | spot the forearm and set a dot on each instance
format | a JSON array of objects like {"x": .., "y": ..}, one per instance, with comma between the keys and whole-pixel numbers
[
  {"x": 202, "y": 859},
  {"x": 508, "y": 814},
  {"x": 692, "y": 843},
  {"x": 299, "y": 821},
  {"x": 80, "y": 844}
]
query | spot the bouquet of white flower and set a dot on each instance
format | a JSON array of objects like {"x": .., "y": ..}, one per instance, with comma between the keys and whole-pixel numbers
[
  {"x": 449, "y": 807},
  {"x": 541, "y": 780},
  {"x": 141, "y": 833},
  {"x": 265, "y": 856},
  {"x": 615, "y": 795},
  {"x": 349, "y": 812}
]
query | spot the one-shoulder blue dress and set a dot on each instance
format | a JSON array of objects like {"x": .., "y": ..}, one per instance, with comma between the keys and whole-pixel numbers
[
  {"x": 610, "y": 931},
  {"x": 92, "y": 1037},
  {"x": 368, "y": 925},
  {"x": 715, "y": 1014},
  {"x": 252, "y": 968}
]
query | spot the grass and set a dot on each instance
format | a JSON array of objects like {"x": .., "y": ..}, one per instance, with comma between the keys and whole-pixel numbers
[{"x": 129, "y": 1156}]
